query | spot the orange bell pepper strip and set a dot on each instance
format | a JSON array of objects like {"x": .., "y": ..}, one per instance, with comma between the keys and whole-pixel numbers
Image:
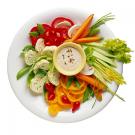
[{"x": 92, "y": 81}]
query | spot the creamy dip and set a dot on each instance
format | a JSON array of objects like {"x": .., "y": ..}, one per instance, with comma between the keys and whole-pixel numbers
[{"x": 69, "y": 58}]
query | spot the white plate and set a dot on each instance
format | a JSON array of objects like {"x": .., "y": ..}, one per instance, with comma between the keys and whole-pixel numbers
[{"x": 36, "y": 104}]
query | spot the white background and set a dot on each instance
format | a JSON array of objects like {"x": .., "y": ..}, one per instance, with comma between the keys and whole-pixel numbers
[{"x": 117, "y": 118}]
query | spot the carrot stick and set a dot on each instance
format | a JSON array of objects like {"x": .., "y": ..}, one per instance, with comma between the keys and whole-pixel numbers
[
  {"x": 88, "y": 39},
  {"x": 92, "y": 81},
  {"x": 84, "y": 25},
  {"x": 85, "y": 33}
]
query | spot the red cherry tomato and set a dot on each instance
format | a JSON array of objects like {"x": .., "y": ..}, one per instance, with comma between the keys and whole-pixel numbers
[
  {"x": 76, "y": 106},
  {"x": 65, "y": 100},
  {"x": 49, "y": 87},
  {"x": 51, "y": 96},
  {"x": 61, "y": 19}
]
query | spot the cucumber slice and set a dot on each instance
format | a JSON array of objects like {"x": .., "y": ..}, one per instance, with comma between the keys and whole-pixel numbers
[
  {"x": 42, "y": 64},
  {"x": 30, "y": 57},
  {"x": 37, "y": 84},
  {"x": 39, "y": 47},
  {"x": 49, "y": 49},
  {"x": 53, "y": 77}
]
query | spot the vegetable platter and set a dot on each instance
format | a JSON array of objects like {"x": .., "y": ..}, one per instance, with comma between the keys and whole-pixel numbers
[{"x": 66, "y": 67}]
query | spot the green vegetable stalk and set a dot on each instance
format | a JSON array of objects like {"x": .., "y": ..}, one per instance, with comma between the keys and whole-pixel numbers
[
  {"x": 22, "y": 72},
  {"x": 95, "y": 27}
]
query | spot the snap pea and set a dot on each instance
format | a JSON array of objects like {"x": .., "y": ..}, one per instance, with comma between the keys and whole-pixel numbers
[
  {"x": 30, "y": 77},
  {"x": 22, "y": 72},
  {"x": 76, "y": 82},
  {"x": 41, "y": 72},
  {"x": 86, "y": 95},
  {"x": 91, "y": 91},
  {"x": 70, "y": 80},
  {"x": 27, "y": 48}
]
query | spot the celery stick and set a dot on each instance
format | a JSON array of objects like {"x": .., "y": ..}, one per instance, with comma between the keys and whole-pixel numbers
[
  {"x": 105, "y": 64},
  {"x": 102, "y": 73},
  {"x": 99, "y": 76},
  {"x": 103, "y": 52},
  {"x": 104, "y": 58}
]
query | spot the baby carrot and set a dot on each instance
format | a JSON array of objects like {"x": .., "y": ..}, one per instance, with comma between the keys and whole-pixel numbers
[
  {"x": 84, "y": 25},
  {"x": 88, "y": 39}
]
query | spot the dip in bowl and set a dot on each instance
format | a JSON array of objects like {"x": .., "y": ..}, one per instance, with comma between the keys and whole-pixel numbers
[{"x": 69, "y": 58}]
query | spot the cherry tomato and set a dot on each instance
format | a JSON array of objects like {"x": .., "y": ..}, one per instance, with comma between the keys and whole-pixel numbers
[
  {"x": 65, "y": 100},
  {"x": 76, "y": 106},
  {"x": 51, "y": 96},
  {"x": 58, "y": 20},
  {"x": 49, "y": 87}
]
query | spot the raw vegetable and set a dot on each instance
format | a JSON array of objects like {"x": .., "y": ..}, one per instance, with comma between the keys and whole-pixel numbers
[
  {"x": 76, "y": 82},
  {"x": 50, "y": 102},
  {"x": 70, "y": 80},
  {"x": 94, "y": 28},
  {"x": 49, "y": 49},
  {"x": 54, "y": 109},
  {"x": 94, "y": 32},
  {"x": 51, "y": 96},
  {"x": 104, "y": 65},
  {"x": 73, "y": 30},
  {"x": 37, "y": 84},
  {"x": 49, "y": 87},
  {"x": 41, "y": 72},
  {"x": 86, "y": 95},
  {"x": 53, "y": 77},
  {"x": 72, "y": 87},
  {"x": 39, "y": 47},
  {"x": 56, "y": 22},
  {"x": 65, "y": 100},
  {"x": 40, "y": 28},
  {"x": 76, "y": 106},
  {"x": 92, "y": 81},
  {"x": 84, "y": 25},
  {"x": 88, "y": 39},
  {"x": 30, "y": 57},
  {"x": 26, "y": 49},
  {"x": 42, "y": 64},
  {"x": 29, "y": 78},
  {"x": 34, "y": 34},
  {"x": 22, "y": 72},
  {"x": 119, "y": 49}
]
